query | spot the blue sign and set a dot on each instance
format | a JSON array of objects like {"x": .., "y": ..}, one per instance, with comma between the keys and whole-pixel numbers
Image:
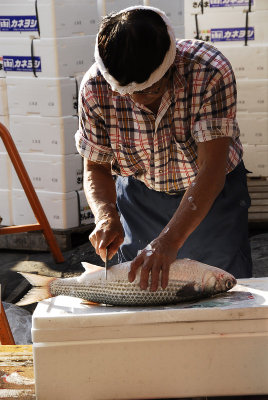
[
  {"x": 229, "y": 3},
  {"x": 22, "y": 64},
  {"x": 18, "y": 23},
  {"x": 231, "y": 34}
]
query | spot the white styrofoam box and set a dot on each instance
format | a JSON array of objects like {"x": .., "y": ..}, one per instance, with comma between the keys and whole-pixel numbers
[
  {"x": 55, "y": 18},
  {"x": 86, "y": 216},
  {"x": 6, "y": 207},
  {"x": 174, "y": 9},
  {"x": 4, "y": 119},
  {"x": 252, "y": 95},
  {"x": 220, "y": 6},
  {"x": 57, "y": 57},
  {"x": 49, "y": 97},
  {"x": 146, "y": 344},
  {"x": 231, "y": 29},
  {"x": 179, "y": 32},
  {"x": 61, "y": 209},
  {"x": 107, "y": 6},
  {"x": 256, "y": 159},
  {"x": 49, "y": 135},
  {"x": 253, "y": 127},
  {"x": 5, "y": 171},
  {"x": 239, "y": 57},
  {"x": 3, "y": 97},
  {"x": 52, "y": 173}
]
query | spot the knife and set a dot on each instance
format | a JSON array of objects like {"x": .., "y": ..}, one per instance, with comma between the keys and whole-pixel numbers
[{"x": 106, "y": 263}]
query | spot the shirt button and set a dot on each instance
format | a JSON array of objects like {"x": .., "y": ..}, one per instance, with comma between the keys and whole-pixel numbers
[
  {"x": 160, "y": 148},
  {"x": 160, "y": 171}
]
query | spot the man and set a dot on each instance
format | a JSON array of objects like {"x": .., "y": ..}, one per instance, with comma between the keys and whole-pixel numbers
[{"x": 160, "y": 115}]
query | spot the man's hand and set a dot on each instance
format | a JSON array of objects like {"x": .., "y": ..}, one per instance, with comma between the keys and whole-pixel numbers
[
  {"x": 107, "y": 233},
  {"x": 155, "y": 259},
  {"x": 100, "y": 192}
]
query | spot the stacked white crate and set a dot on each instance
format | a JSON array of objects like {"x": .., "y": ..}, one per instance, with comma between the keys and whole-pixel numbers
[
  {"x": 223, "y": 22},
  {"x": 5, "y": 184},
  {"x": 239, "y": 29},
  {"x": 46, "y": 47},
  {"x": 108, "y": 6},
  {"x": 174, "y": 9}
]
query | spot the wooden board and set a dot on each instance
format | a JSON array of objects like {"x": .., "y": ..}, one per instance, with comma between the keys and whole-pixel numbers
[
  {"x": 258, "y": 191},
  {"x": 16, "y": 373}
]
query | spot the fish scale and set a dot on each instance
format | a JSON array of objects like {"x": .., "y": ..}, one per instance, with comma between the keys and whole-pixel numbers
[{"x": 121, "y": 292}]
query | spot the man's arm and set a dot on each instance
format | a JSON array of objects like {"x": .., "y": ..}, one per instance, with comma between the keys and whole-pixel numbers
[
  {"x": 196, "y": 203},
  {"x": 99, "y": 187}
]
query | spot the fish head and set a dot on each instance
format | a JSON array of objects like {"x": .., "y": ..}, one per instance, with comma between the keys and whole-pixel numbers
[{"x": 219, "y": 281}]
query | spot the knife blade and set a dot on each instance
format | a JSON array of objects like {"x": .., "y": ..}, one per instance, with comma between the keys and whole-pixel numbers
[{"x": 106, "y": 263}]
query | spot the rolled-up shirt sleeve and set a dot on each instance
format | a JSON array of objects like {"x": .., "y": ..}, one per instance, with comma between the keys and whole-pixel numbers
[
  {"x": 217, "y": 113},
  {"x": 92, "y": 139}
]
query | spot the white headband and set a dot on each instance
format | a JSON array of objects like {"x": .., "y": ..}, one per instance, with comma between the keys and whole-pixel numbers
[{"x": 156, "y": 75}]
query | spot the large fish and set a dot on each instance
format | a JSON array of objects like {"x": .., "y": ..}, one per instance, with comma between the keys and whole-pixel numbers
[{"x": 188, "y": 280}]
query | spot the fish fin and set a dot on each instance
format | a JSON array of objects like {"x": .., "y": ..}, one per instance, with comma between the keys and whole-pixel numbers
[
  {"x": 89, "y": 303},
  {"x": 91, "y": 267},
  {"x": 37, "y": 280},
  {"x": 34, "y": 295},
  {"x": 187, "y": 291},
  {"x": 38, "y": 293}
]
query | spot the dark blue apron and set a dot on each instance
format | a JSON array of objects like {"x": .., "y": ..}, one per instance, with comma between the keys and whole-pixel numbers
[{"x": 221, "y": 239}]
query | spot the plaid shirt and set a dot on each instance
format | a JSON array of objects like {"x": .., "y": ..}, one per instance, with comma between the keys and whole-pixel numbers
[{"x": 161, "y": 150}]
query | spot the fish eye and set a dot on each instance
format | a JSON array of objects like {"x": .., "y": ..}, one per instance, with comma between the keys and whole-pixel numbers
[{"x": 229, "y": 284}]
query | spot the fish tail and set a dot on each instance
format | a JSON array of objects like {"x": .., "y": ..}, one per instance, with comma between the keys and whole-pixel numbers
[{"x": 40, "y": 291}]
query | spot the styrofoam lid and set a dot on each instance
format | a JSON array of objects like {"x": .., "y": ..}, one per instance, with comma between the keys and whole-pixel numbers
[{"x": 248, "y": 300}]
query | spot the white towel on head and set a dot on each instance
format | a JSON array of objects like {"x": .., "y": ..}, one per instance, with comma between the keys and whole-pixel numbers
[{"x": 156, "y": 75}]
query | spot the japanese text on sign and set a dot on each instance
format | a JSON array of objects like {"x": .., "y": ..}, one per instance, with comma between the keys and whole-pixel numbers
[
  {"x": 229, "y": 3},
  {"x": 18, "y": 23},
  {"x": 231, "y": 34},
  {"x": 23, "y": 64}
]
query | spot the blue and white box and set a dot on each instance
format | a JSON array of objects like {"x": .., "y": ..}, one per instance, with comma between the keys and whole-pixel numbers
[
  {"x": 48, "y": 18},
  {"x": 220, "y": 6},
  {"x": 53, "y": 58},
  {"x": 231, "y": 30}
]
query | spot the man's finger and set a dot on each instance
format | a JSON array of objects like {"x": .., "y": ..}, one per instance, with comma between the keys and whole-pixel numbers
[
  {"x": 155, "y": 272},
  {"x": 92, "y": 238},
  {"x": 145, "y": 272},
  {"x": 165, "y": 276},
  {"x": 135, "y": 264}
]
